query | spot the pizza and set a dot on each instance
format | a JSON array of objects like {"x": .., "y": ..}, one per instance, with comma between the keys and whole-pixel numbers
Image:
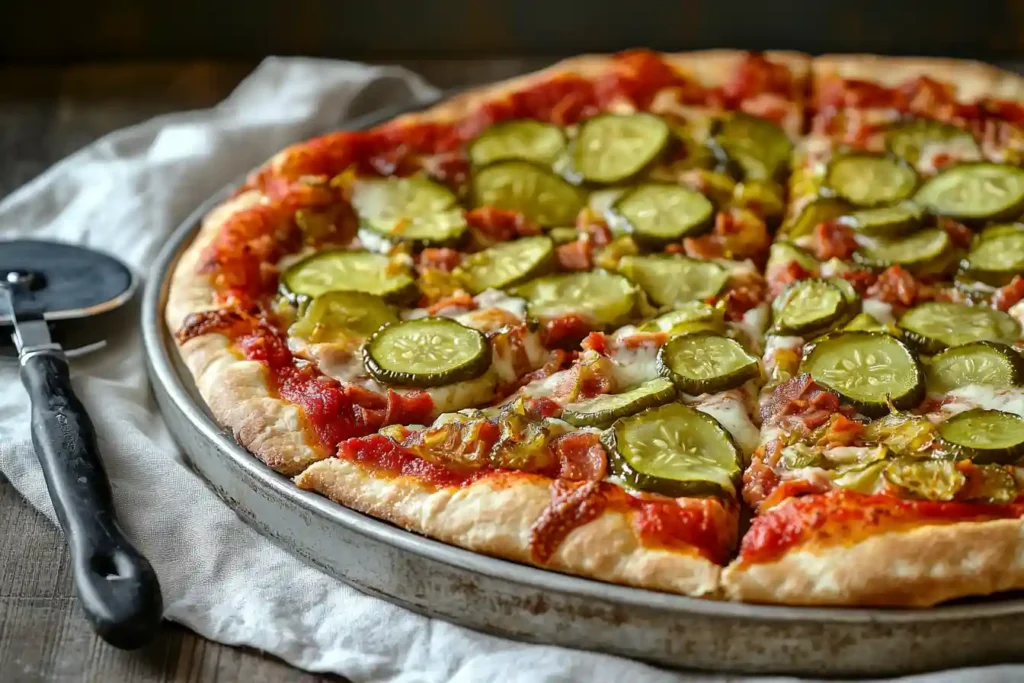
[{"x": 596, "y": 317}]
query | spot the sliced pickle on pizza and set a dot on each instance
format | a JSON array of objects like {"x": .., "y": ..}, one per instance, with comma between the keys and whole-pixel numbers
[
  {"x": 891, "y": 221},
  {"x": 656, "y": 214},
  {"x": 521, "y": 139},
  {"x": 611, "y": 148},
  {"x": 426, "y": 352},
  {"x": 988, "y": 363},
  {"x": 984, "y": 436},
  {"x": 935, "y": 325},
  {"x": 766, "y": 198},
  {"x": 821, "y": 210},
  {"x": 869, "y": 180},
  {"x": 526, "y": 188},
  {"x": 341, "y": 316},
  {"x": 925, "y": 252},
  {"x": 760, "y": 149},
  {"x": 414, "y": 210},
  {"x": 357, "y": 271},
  {"x": 975, "y": 193},
  {"x": 872, "y": 371},
  {"x": 674, "y": 450},
  {"x": 673, "y": 280},
  {"x": 809, "y": 307},
  {"x": 506, "y": 264},
  {"x": 602, "y": 411},
  {"x": 687, "y": 318},
  {"x": 997, "y": 255},
  {"x": 705, "y": 362},
  {"x": 917, "y": 140},
  {"x": 937, "y": 480},
  {"x": 606, "y": 299},
  {"x": 865, "y": 322},
  {"x": 783, "y": 252}
]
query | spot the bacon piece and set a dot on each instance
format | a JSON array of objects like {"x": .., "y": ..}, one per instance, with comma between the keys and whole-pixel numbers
[
  {"x": 833, "y": 240},
  {"x": 760, "y": 478},
  {"x": 787, "y": 275},
  {"x": 895, "y": 286},
  {"x": 738, "y": 234},
  {"x": 558, "y": 361},
  {"x": 596, "y": 342},
  {"x": 458, "y": 300},
  {"x": 539, "y": 407},
  {"x": 581, "y": 457},
  {"x": 572, "y": 505},
  {"x": 445, "y": 259},
  {"x": 1009, "y": 295},
  {"x": 842, "y": 431},
  {"x": 565, "y": 330},
  {"x": 959, "y": 234},
  {"x": 501, "y": 224},
  {"x": 415, "y": 407},
  {"x": 594, "y": 227},
  {"x": 801, "y": 402},
  {"x": 576, "y": 255},
  {"x": 861, "y": 280},
  {"x": 740, "y": 300}
]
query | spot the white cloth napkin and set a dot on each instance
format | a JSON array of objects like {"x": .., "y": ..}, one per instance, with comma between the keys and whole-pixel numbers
[{"x": 124, "y": 194}]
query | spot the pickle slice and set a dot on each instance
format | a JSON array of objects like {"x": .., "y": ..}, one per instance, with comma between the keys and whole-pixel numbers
[
  {"x": 886, "y": 221},
  {"x": 808, "y": 306},
  {"x": 997, "y": 255},
  {"x": 821, "y": 210},
  {"x": 766, "y": 198},
  {"x": 608, "y": 299},
  {"x": 426, "y": 352},
  {"x": 340, "y": 316},
  {"x": 673, "y": 280},
  {"x": 865, "y": 322},
  {"x": 530, "y": 190},
  {"x": 657, "y": 214},
  {"x": 506, "y": 264},
  {"x": 758, "y": 147},
  {"x": 705, "y": 363},
  {"x": 923, "y": 252},
  {"x": 673, "y": 450},
  {"x": 689, "y": 316},
  {"x": 521, "y": 139},
  {"x": 937, "y": 480},
  {"x": 975, "y": 192},
  {"x": 988, "y": 363},
  {"x": 358, "y": 271},
  {"x": 869, "y": 180},
  {"x": 611, "y": 147},
  {"x": 984, "y": 436},
  {"x": 909, "y": 139},
  {"x": 783, "y": 252},
  {"x": 409, "y": 210},
  {"x": 869, "y": 369},
  {"x": 935, "y": 325},
  {"x": 602, "y": 411}
]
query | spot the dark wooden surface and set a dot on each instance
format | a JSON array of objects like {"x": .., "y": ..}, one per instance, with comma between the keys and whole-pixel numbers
[{"x": 47, "y": 113}]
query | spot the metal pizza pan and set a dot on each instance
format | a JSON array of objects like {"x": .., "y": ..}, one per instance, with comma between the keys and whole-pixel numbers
[{"x": 536, "y": 605}]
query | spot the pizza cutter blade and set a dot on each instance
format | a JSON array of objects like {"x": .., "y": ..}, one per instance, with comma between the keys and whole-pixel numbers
[{"x": 42, "y": 283}]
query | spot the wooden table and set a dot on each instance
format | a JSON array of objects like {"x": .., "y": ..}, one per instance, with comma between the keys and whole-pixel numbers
[{"x": 47, "y": 113}]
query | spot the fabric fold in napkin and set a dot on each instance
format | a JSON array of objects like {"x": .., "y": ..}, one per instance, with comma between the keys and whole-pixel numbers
[{"x": 124, "y": 194}]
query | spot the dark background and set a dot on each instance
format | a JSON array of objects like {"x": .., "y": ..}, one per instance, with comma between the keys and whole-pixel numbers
[{"x": 61, "y": 31}]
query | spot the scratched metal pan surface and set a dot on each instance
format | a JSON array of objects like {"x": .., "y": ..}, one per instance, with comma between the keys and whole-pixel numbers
[{"x": 531, "y": 604}]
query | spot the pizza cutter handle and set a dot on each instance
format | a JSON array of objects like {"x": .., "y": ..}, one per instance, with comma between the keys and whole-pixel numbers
[{"x": 116, "y": 585}]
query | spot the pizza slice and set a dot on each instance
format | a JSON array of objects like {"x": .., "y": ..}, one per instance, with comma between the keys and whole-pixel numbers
[
  {"x": 893, "y": 355},
  {"x": 525, "y": 321}
]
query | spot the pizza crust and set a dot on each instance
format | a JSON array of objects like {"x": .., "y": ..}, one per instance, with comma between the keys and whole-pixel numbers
[
  {"x": 494, "y": 515},
  {"x": 973, "y": 80},
  {"x": 918, "y": 567}
]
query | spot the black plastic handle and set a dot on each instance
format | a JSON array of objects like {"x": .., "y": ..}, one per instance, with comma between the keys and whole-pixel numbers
[{"x": 116, "y": 585}]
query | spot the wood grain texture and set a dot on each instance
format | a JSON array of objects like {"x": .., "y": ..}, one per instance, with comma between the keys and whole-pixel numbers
[{"x": 47, "y": 113}]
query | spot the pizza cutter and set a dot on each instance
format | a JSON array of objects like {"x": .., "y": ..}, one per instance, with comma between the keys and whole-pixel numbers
[{"x": 42, "y": 284}]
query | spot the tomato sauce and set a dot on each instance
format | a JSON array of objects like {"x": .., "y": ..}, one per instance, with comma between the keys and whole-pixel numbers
[{"x": 843, "y": 516}]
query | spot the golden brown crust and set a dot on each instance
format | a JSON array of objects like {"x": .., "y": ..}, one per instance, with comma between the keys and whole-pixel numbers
[
  {"x": 495, "y": 515},
  {"x": 912, "y": 568},
  {"x": 973, "y": 80},
  {"x": 237, "y": 390}
]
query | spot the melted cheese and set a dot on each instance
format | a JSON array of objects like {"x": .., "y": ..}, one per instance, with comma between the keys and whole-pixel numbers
[
  {"x": 730, "y": 409},
  {"x": 633, "y": 366},
  {"x": 980, "y": 396},
  {"x": 879, "y": 310}
]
